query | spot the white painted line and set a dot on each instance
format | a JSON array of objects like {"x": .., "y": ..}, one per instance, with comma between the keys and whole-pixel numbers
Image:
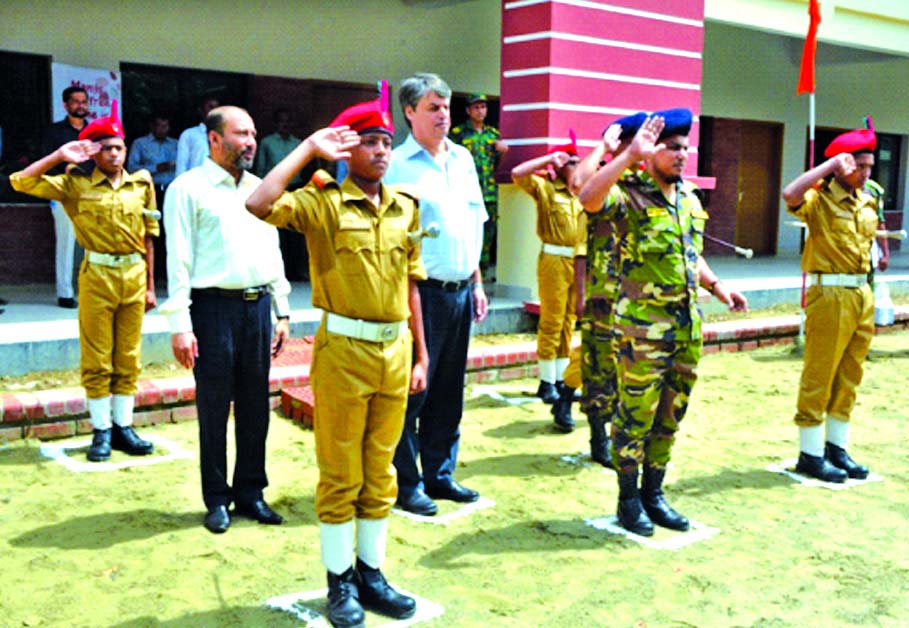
[
  {"x": 601, "y": 6},
  {"x": 495, "y": 392},
  {"x": 600, "y": 76},
  {"x": 60, "y": 452},
  {"x": 787, "y": 467},
  {"x": 696, "y": 533},
  {"x": 467, "y": 509},
  {"x": 311, "y": 607}
]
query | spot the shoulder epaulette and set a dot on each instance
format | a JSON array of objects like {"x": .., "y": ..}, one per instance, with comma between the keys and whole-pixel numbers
[
  {"x": 143, "y": 175},
  {"x": 405, "y": 189},
  {"x": 321, "y": 179}
]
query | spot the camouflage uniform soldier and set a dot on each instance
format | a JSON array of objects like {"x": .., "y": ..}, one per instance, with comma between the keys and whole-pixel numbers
[
  {"x": 658, "y": 224},
  {"x": 596, "y": 268},
  {"x": 484, "y": 143},
  {"x": 876, "y": 191}
]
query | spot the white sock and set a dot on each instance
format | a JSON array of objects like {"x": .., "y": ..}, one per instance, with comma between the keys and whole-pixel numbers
[
  {"x": 547, "y": 370},
  {"x": 99, "y": 412},
  {"x": 560, "y": 365},
  {"x": 837, "y": 432},
  {"x": 811, "y": 440},
  {"x": 372, "y": 535},
  {"x": 123, "y": 409},
  {"x": 337, "y": 546}
]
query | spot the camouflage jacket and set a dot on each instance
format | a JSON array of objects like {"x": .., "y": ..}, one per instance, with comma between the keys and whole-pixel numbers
[
  {"x": 658, "y": 247},
  {"x": 874, "y": 190},
  {"x": 482, "y": 145}
]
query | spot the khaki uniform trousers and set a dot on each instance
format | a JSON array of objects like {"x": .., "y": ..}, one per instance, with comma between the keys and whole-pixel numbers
[
  {"x": 555, "y": 278},
  {"x": 360, "y": 390},
  {"x": 111, "y": 307},
  {"x": 839, "y": 326}
]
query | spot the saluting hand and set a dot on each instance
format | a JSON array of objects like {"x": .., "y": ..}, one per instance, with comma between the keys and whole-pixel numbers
[
  {"x": 644, "y": 144},
  {"x": 843, "y": 164},
  {"x": 611, "y": 139},
  {"x": 78, "y": 151},
  {"x": 334, "y": 143},
  {"x": 559, "y": 158}
]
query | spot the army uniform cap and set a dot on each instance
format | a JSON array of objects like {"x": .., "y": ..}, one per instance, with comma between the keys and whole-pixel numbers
[
  {"x": 857, "y": 141},
  {"x": 677, "y": 121},
  {"x": 630, "y": 124},
  {"x": 571, "y": 147},
  {"x": 368, "y": 117},
  {"x": 108, "y": 126},
  {"x": 473, "y": 98}
]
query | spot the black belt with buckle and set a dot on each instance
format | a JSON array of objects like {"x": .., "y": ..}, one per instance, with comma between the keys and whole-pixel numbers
[
  {"x": 246, "y": 294},
  {"x": 447, "y": 286}
]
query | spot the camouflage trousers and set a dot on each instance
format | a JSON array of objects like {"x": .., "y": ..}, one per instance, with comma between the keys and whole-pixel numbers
[
  {"x": 598, "y": 367},
  {"x": 655, "y": 378}
]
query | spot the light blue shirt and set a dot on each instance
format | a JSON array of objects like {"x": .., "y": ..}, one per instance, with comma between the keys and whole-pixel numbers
[
  {"x": 192, "y": 148},
  {"x": 147, "y": 152},
  {"x": 450, "y": 196}
]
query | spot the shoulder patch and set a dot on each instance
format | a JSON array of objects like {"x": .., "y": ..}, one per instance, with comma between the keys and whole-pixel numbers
[{"x": 143, "y": 175}]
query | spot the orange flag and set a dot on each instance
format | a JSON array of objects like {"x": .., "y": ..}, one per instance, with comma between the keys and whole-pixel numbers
[{"x": 806, "y": 75}]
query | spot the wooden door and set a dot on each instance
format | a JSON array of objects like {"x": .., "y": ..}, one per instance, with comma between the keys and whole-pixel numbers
[{"x": 758, "y": 187}]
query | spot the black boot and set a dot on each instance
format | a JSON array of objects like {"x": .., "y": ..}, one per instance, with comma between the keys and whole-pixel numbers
[
  {"x": 124, "y": 438},
  {"x": 658, "y": 509},
  {"x": 100, "y": 447},
  {"x": 561, "y": 409},
  {"x": 631, "y": 513},
  {"x": 820, "y": 468},
  {"x": 841, "y": 460},
  {"x": 599, "y": 441},
  {"x": 344, "y": 610},
  {"x": 377, "y": 595},
  {"x": 547, "y": 392}
]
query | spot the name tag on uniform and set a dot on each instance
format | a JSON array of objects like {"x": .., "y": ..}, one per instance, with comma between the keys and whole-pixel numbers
[
  {"x": 655, "y": 212},
  {"x": 700, "y": 213}
]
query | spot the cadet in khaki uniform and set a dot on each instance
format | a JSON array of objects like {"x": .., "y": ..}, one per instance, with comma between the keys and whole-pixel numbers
[
  {"x": 112, "y": 213},
  {"x": 839, "y": 325},
  {"x": 370, "y": 353},
  {"x": 558, "y": 211},
  {"x": 659, "y": 225}
]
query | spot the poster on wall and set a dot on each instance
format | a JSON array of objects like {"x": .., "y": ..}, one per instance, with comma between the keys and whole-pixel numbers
[{"x": 102, "y": 86}]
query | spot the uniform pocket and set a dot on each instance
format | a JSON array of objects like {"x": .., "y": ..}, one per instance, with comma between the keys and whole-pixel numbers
[{"x": 657, "y": 231}]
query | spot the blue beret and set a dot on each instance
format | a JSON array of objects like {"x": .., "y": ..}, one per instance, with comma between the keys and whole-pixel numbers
[
  {"x": 678, "y": 121},
  {"x": 630, "y": 124}
]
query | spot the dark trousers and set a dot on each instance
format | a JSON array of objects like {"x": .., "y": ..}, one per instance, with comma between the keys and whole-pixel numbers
[
  {"x": 234, "y": 338},
  {"x": 432, "y": 422}
]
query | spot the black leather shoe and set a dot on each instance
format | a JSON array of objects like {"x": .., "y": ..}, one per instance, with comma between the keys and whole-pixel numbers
[
  {"x": 261, "y": 512},
  {"x": 547, "y": 392},
  {"x": 561, "y": 409},
  {"x": 67, "y": 303},
  {"x": 99, "y": 450},
  {"x": 841, "y": 460},
  {"x": 418, "y": 503},
  {"x": 217, "y": 520},
  {"x": 454, "y": 492},
  {"x": 655, "y": 504},
  {"x": 599, "y": 442},
  {"x": 344, "y": 609},
  {"x": 818, "y": 467},
  {"x": 631, "y": 513},
  {"x": 125, "y": 439},
  {"x": 377, "y": 595}
]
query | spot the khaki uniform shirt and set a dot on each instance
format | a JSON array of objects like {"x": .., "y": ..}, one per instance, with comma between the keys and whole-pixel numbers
[
  {"x": 558, "y": 210},
  {"x": 360, "y": 255},
  {"x": 841, "y": 227},
  {"x": 106, "y": 219}
]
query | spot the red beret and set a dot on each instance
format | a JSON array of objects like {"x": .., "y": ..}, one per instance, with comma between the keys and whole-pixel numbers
[
  {"x": 369, "y": 116},
  {"x": 100, "y": 128},
  {"x": 571, "y": 147},
  {"x": 852, "y": 142}
]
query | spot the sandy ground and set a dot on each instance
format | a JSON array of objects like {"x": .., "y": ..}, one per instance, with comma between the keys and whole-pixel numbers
[{"x": 126, "y": 548}]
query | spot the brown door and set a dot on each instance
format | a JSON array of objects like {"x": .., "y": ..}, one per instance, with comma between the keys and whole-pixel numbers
[{"x": 758, "y": 189}]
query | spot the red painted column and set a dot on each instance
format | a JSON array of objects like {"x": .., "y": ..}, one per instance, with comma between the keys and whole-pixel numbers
[{"x": 579, "y": 64}]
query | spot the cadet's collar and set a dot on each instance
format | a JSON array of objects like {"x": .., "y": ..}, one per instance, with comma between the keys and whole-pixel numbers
[
  {"x": 839, "y": 192},
  {"x": 98, "y": 177},
  {"x": 351, "y": 192}
]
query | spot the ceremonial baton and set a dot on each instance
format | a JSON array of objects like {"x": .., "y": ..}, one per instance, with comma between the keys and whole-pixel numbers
[
  {"x": 746, "y": 253},
  {"x": 152, "y": 213},
  {"x": 880, "y": 233}
]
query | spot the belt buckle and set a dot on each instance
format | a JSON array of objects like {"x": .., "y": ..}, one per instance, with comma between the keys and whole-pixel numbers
[
  {"x": 387, "y": 332},
  {"x": 251, "y": 294},
  {"x": 450, "y": 286}
]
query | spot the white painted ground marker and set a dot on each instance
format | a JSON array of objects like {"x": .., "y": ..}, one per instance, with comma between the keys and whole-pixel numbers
[
  {"x": 697, "y": 532},
  {"x": 60, "y": 452},
  {"x": 787, "y": 467},
  {"x": 311, "y": 608}
]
